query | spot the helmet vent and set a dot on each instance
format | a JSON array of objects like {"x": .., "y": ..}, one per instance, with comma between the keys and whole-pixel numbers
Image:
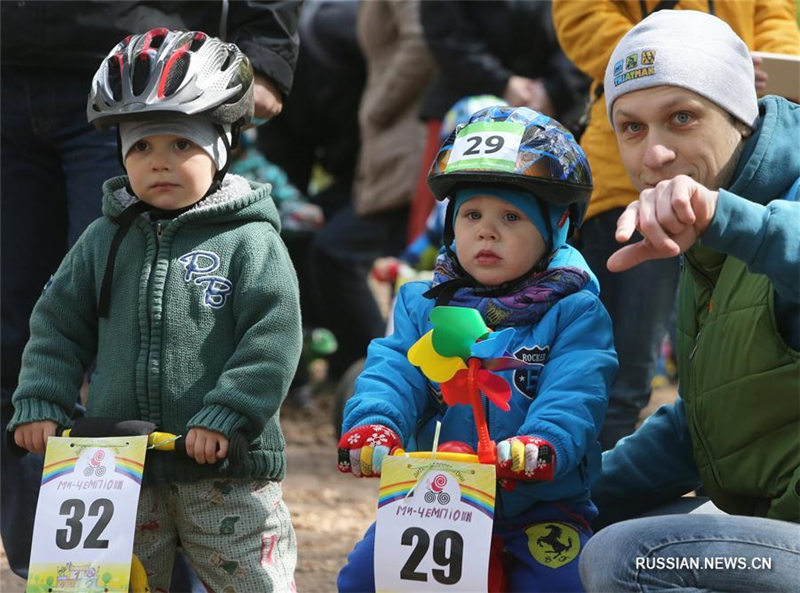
[
  {"x": 115, "y": 77},
  {"x": 197, "y": 41},
  {"x": 141, "y": 73},
  {"x": 176, "y": 74},
  {"x": 229, "y": 55},
  {"x": 156, "y": 41}
]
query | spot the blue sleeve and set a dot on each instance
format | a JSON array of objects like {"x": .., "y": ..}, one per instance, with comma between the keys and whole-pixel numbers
[
  {"x": 390, "y": 390},
  {"x": 573, "y": 387},
  {"x": 765, "y": 238},
  {"x": 650, "y": 467}
]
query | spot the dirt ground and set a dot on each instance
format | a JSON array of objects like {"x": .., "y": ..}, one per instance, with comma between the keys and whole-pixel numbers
[{"x": 330, "y": 511}]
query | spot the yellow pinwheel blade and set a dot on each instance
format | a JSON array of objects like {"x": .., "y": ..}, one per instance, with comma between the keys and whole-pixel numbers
[{"x": 433, "y": 365}]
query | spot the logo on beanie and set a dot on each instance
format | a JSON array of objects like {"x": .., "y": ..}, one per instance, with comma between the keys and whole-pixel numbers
[{"x": 647, "y": 59}]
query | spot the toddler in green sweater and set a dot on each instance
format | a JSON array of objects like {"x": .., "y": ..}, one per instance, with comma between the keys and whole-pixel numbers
[{"x": 185, "y": 298}]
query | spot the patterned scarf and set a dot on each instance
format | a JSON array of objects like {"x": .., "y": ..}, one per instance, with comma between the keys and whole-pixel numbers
[{"x": 520, "y": 302}]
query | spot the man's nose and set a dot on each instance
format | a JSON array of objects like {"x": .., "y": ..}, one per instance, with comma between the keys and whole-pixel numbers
[{"x": 658, "y": 154}]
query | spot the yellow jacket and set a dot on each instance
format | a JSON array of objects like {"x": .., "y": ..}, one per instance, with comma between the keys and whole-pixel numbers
[{"x": 588, "y": 31}]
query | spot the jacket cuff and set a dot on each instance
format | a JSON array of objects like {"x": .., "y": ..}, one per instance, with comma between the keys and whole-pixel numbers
[
  {"x": 378, "y": 419},
  {"x": 218, "y": 418},
  {"x": 35, "y": 410}
]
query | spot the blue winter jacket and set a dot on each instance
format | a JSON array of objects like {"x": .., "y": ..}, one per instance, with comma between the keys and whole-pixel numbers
[
  {"x": 757, "y": 220},
  {"x": 562, "y": 398}
]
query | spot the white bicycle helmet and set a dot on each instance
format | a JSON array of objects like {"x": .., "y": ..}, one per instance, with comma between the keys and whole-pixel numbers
[{"x": 166, "y": 71}]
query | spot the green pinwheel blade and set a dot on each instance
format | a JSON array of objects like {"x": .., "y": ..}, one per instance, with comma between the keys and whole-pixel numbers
[{"x": 455, "y": 330}]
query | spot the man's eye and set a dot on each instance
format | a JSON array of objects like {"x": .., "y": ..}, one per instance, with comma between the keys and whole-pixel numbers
[
  {"x": 683, "y": 118},
  {"x": 632, "y": 127}
]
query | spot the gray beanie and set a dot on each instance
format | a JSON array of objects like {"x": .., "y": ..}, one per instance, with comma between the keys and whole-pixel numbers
[
  {"x": 201, "y": 132},
  {"x": 688, "y": 49}
]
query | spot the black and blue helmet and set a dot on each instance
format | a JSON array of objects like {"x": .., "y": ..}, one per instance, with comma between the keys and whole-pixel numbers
[{"x": 515, "y": 146}]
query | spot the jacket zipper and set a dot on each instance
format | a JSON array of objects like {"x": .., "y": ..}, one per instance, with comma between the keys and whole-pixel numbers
[
  {"x": 159, "y": 231},
  {"x": 697, "y": 269}
]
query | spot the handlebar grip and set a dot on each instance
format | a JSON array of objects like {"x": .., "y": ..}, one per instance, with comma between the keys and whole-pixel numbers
[{"x": 96, "y": 427}]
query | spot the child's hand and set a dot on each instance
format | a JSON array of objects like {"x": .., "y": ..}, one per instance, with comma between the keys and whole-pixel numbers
[
  {"x": 33, "y": 435},
  {"x": 526, "y": 458},
  {"x": 362, "y": 449},
  {"x": 206, "y": 446}
]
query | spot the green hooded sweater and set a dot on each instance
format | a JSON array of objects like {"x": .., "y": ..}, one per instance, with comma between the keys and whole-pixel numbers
[{"x": 203, "y": 328}]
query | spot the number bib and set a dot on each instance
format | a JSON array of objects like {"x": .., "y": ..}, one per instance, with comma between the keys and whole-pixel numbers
[
  {"x": 486, "y": 145},
  {"x": 438, "y": 538},
  {"x": 86, "y": 515}
]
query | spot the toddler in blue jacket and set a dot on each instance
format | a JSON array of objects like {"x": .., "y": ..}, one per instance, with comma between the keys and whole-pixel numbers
[{"x": 515, "y": 179}]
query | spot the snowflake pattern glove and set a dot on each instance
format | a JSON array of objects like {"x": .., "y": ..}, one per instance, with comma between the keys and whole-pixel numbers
[
  {"x": 526, "y": 458},
  {"x": 362, "y": 449}
]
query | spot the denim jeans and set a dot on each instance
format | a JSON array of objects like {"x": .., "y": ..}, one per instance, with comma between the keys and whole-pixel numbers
[
  {"x": 691, "y": 553},
  {"x": 639, "y": 302},
  {"x": 53, "y": 167}
]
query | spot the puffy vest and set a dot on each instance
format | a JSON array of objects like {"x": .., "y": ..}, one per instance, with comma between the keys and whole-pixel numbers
[{"x": 740, "y": 383}]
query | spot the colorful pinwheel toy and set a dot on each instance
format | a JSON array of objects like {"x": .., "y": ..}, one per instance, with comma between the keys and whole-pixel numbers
[{"x": 461, "y": 353}]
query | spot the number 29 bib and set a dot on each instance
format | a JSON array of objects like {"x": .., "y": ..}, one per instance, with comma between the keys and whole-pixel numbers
[{"x": 439, "y": 537}]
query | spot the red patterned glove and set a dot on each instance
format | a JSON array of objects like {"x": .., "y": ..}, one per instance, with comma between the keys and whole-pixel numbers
[
  {"x": 362, "y": 449},
  {"x": 526, "y": 458}
]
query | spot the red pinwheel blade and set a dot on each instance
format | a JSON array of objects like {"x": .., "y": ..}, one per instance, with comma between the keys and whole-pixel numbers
[
  {"x": 455, "y": 390},
  {"x": 495, "y": 388}
]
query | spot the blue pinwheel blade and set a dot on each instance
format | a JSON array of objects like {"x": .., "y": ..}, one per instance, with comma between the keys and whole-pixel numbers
[{"x": 494, "y": 345}]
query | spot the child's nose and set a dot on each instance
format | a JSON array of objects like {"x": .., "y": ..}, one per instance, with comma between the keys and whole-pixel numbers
[
  {"x": 487, "y": 231},
  {"x": 159, "y": 161}
]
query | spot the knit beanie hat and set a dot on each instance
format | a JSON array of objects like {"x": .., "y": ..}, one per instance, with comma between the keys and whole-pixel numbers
[
  {"x": 199, "y": 131},
  {"x": 688, "y": 49},
  {"x": 526, "y": 203}
]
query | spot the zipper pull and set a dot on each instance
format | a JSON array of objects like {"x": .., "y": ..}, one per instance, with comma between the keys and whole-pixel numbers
[
  {"x": 696, "y": 338},
  {"x": 159, "y": 230}
]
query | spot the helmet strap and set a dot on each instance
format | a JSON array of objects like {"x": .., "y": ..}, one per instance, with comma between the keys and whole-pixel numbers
[{"x": 216, "y": 183}]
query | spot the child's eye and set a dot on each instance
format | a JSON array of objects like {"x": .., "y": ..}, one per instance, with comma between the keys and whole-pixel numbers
[
  {"x": 512, "y": 216},
  {"x": 140, "y": 146},
  {"x": 473, "y": 215},
  {"x": 183, "y": 144}
]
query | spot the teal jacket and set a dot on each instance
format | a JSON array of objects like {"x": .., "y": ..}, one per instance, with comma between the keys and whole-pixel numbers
[
  {"x": 756, "y": 221},
  {"x": 203, "y": 328}
]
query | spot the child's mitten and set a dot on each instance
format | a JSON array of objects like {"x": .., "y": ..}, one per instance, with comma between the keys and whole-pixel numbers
[
  {"x": 526, "y": 458},
  {"x": 362, "y": 449}
]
